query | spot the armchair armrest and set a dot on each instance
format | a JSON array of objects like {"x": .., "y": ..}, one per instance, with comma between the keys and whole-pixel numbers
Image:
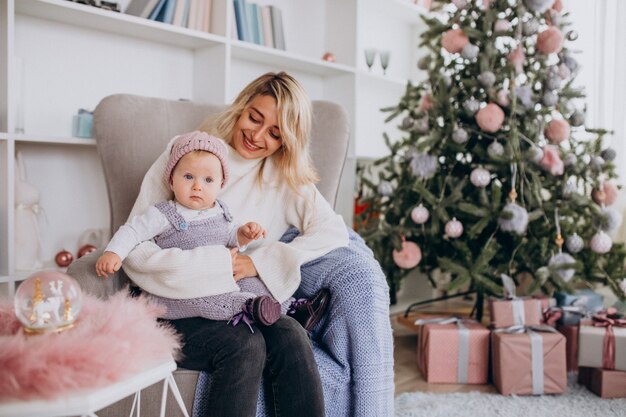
[{"x": 83, "y": 270}]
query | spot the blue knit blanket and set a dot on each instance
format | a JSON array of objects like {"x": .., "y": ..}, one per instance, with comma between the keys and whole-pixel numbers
[{"x": 353, "y": 344}]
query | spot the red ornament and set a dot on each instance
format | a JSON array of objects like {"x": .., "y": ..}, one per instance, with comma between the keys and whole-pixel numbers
[
  {"x": 86, "y": 250},
  {"x": 63, "y": 258},
  {"x": 329, "y": 57}
]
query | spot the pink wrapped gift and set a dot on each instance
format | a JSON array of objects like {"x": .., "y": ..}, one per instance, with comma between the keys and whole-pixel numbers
[
  {"x": 529, "y": 363},
  {"x": 570, "y": 331},
  {"x": 603, "y": 383},
  {"x": 515, "y": 312},
  {"x": 454, "y": 351},
  {"x": 602, "y": 342}
]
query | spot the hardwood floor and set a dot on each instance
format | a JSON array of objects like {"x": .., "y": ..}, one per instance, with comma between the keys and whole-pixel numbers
[{"x": 406, "y": 375}]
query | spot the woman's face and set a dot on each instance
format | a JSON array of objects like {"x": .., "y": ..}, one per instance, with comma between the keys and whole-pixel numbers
[{"x": 256, "y": 132}]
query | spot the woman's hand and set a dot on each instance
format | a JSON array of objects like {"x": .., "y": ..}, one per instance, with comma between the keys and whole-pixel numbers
[{"x": 243, "y": 267}]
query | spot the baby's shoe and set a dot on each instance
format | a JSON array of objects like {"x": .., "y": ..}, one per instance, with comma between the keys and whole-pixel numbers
[
  {"x": 309, "y": 312},
  {"x": 263, "y": 309}
]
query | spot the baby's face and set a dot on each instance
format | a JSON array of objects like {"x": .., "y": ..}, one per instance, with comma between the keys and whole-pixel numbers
[{"x": 197, "y": 180}]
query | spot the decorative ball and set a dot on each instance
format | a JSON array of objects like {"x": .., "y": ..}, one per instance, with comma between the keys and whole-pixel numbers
[
  {"x": 552, "y": 161},
  {"x": 557, "y": 266},
  {"x": 420, "y": 214},
  {"x": 572, "y": 35},
  {"x": 48, "y": 301},
  {"x": 385, "y": 188},
  {"x": 610, "y": 219},
  {"x": 502, "y": 25},
  {"x": 549, "y": 99},
  {"x": 502, "y": 98},
  {"x": 459, "y": 135},
  {"x": 460, "y": 4},
  {"x": 530, "y": 27},
  {"x": 407, "y": 122},
  {"x": 454, "y": 228},
  {"x": 553, "y": 82},
  {"x": 570, "y": 159},
  {"x": 564, "y": 72},
  {"x": 535, "y": 154},
  {"x": 574, "y": 243},
  {"x": 608, "y": 154},
  {"x": 63, "y": 258},
  {"x": 606, "y": 195},
  {"x": 454, "y": 40},
  {"x": 424, "y": 62},
  {"x": 471, "y": 106},
  {"x": 577, "y": 118},
  {"x": 409, "y": 256},
  {"x": 425, "y": 103},
  {"x": 601, "y": 243},
  {"x": 557, "y": 131},
  {"x": 487, "y": 79},
  {"x": 86, "y": 250},
  {"x": 596, "y": 163},
  {"x": 495, "y": 149},
  {"x": 329, "y": 57},
  {"x": 550, "y": 40},
  {"x": 480, "y": 177},
  {"x": 569, "y": 189},
  {"x": 470, "y": 51},
  {"x": 424, "y": 165},
  {"x": 490, "y": 118},
  {"x": 569, "y": 61},
  {"x": 421, "y": 125},
  {"x": 525, "y": 96},
  {"x": 538, "y": 6},
  {"x": 514, "y": 218}
]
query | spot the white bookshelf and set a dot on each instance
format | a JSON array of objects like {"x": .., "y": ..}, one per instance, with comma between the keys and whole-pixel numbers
[{"x": 57, "y": 56}]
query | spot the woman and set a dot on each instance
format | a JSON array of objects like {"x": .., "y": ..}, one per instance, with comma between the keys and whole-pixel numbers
[{"x": 272, "y": 183}]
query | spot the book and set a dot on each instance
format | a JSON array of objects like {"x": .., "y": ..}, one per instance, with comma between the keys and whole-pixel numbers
[
  {"x": 251, "y": 24},
  {"x": 277, "y": 24},
  {"x": 266, "y": 18},
  {"x": 240, "y": 16},
  {"x": 179, "y": 14},
  {"x": 218, "y": 17},
  {"x": 141, "y": 8},
  {"x": 157, "y": 10},
  {"x": 259, "y": 24},
  {"x": 193, "y": 13},
  {"x": 233, "y": 20},
  {"x": 168, "y": 11},
  {"x": 206, "y": 16}
]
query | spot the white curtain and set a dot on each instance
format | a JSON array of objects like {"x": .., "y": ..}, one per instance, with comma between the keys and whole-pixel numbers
[{"x": 602, "y": 46}]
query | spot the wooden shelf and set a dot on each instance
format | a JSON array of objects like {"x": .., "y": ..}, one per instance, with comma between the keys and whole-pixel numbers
[
  {"x": 56, "y": 140},
  {"x": 77, "y": 14}
]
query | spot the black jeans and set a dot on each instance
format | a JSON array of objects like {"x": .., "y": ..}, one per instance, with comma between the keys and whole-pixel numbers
[{"x": 237, "y": 359}]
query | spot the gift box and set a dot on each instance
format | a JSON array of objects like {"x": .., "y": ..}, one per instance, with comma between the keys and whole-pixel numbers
[
  {"x": 602, "y": 343},
  {"x": 529, "y": 363},
  {"x": 456, "y": 352},
  {"x": 546, "y": 301},
  {"x": 602, "y": 382},
  {"x": 515, "y": 312},
  {"x": 578, "y": 304},
  {"x": 571, "y": 345}
]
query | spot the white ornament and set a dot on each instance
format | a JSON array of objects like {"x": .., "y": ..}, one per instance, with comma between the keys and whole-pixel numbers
[
  {"x": 611, "y": 219},
  {"x": 480, "y": 177},
  {"x": 460, "y": 135},
  {"x": 495, "y": 149},
  {"x": 518, "y": 220},
  {"x": 385, "y": 188},
  {"x": 601, "y": 243},
  {"x": 420, "y": 214},
  {"x": 574, "y": 243},
  {"x": 454, "y": 228},
  {"x": 470, "y": 51},
  {"x": 502, "y": 25},
  {"x": 557, "y": 270},
  {"x": 460, "y": 4}
]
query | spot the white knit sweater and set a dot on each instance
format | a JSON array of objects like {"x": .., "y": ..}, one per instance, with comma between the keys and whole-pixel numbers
[{"x": 207, "y": 270}]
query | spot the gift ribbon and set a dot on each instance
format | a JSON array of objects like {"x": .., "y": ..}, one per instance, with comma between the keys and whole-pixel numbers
[
  {"x": 462, "y": 370},
  {"x": 517, "y": 304},
  {"x": 608, "y": 349},
  {"x": 536, "y": 352},
  {"x": 552, "y": 314}
]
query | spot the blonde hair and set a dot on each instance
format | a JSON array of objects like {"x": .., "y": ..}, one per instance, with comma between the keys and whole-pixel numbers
[{"x": 294, "y": 122}]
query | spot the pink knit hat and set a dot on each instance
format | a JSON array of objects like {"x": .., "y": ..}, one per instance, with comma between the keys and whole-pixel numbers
[{"x": 197, "y": 141}]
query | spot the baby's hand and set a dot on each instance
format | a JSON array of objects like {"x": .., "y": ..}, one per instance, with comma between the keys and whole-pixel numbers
[
  {"x": 108, "y": 263},
  {"x": 252, "y": 231}
]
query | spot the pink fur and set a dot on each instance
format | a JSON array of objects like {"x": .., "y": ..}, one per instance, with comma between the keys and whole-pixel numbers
[{"x": 111, "y": 340}]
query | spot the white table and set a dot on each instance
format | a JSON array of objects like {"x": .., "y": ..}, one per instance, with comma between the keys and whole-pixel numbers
[{"x": 87, "y": 402}]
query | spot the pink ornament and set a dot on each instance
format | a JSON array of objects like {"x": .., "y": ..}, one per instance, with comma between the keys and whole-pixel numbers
[
  {"x": 517, "y": 58},
  {"x": 486, "y": 4},
  {"x": 329, "y": 57},
  {"x": 557, "y": 6},
  {"x": 550, "y": 41},
  {"x": 454, "y": 228},
  {"x": 503, "y": 98},
  {"x": 409, "y": 257},
  {"x": 502, "y": 25},
  {"x": 425, "y": 103},
  {"x": 557, "y": 131},
  {"x": 601, "y": 243},
  {"x": 490, "y": 118},
  {"x": 607, "y": 195},
  {"x": 454, "y": 40},
  {"x": 551, "y": 160}
]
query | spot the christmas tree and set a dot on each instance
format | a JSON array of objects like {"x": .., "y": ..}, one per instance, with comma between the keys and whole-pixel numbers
[{"x": 495, "y": 172}]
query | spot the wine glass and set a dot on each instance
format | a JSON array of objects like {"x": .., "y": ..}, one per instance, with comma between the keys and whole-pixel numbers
[
  {"x": 370, "y": 55},
  {"x": 384, "y": 60}
]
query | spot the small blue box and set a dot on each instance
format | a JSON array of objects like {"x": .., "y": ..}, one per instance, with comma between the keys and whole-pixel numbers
[
  {"x": 82, "y": 124},
  {"x": 589, "y": 302}
]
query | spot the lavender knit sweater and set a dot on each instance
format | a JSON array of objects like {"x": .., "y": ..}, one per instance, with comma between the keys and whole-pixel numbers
[{"x": 353, "y": 345}]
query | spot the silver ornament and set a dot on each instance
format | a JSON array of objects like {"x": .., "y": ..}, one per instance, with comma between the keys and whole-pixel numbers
[
  {"x": 424, "y": 165},
  {"x": 516, "y": 219},
  {"x": 538, "y": 6},
  {"x": 424, "y": 62},
  {"x": 608, "y": 154},
  {"x": 495, "y": 149},
  {"x": 570, "y": 160},
  {"x": 487, "y": 79},
  {"x": 572, "y": 35},
  {"x": 557, "y": 266},
  {"x": 407, "y": 122},
  {"x": 480, "y": 177},
  {"x": 570, "y": 62},
  {"x": 471, "y": 106},
  {"x": 470, "y": 51},
  {"x": 574, "y": 243},
  {"x": 569, "y": 189},
  {"x": 421, "y": 126},
  {"x": 553, "y": 82},
  {"x": 549, "y": 98},
  {"x": 460, "y": 136},
  {"x": 385, "y": 188},
  {"x": 601, "y": 243},
  {"x": 530, "y": 27},
  {"x": 610, "y": 219},
  {"x": 577, "y": 118},
  {"x": 454, "y": 228},
  {"x": 596, "y": 163},
  {"x": 420, "y": 214},
  {"x": 525, "y": 96},
  {"x": 535, "y": 154}
]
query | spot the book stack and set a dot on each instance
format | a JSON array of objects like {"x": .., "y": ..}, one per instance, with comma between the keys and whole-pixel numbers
[
  {"x": 202, "y": 15},
  {"x": 262, "y": 25}
]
